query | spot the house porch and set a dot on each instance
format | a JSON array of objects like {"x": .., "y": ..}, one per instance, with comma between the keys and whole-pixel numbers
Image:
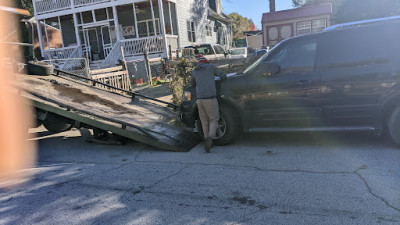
[{"x": 105, "y": 33}]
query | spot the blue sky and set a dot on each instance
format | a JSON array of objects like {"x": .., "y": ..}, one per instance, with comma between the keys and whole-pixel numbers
[{"x": 253, "y": 9}]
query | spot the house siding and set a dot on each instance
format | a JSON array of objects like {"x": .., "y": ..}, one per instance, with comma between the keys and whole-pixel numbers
[
  {"x": 293, "y": 23},
  {"x": 196, "y": 11}
]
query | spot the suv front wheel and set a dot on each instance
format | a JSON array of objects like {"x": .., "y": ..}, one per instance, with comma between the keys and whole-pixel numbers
[
  {"x": 393, "y": 126},
  {"x": 227, "y": 128}
]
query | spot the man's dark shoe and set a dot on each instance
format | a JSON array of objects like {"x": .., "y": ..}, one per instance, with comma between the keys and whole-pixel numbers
[{"x": 208, "y": 144}]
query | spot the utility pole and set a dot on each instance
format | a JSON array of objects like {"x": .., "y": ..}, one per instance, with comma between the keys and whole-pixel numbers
[{"x": 272, "y": 6}]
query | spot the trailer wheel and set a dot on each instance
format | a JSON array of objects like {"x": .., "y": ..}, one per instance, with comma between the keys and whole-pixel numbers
[
  {"x": 228, "y": 127},
  {"x": 56, "y": 124}
]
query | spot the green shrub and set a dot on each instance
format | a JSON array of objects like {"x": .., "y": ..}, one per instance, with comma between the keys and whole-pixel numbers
[{"x": 180, "y": 78}]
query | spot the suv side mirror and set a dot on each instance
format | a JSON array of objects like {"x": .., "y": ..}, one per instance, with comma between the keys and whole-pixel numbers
[{"x": 268, "y": 68}]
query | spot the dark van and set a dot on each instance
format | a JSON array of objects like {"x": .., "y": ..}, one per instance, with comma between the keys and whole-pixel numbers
[{"x": 343, "y": 79}]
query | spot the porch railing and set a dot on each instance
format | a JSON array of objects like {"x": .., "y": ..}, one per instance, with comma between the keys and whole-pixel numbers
[
  {"x": 113, "y": 56},
  {"x": 59, "y": 53},
  {"x": 78, "y": 3},
  {"x": 73, "y": 63},
  {"x": 47, "y": 6},
  {"x": 107, "y": 49},
  {"x": 134, "y": 47}
]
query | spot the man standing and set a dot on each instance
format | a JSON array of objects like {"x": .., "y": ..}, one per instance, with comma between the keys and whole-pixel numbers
[{"x": 203, "y": 78}]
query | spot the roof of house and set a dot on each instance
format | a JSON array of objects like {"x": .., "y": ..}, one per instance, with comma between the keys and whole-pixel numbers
[
  {"x": 297, "y": 13},
  {"x": 219, "y": 16}
]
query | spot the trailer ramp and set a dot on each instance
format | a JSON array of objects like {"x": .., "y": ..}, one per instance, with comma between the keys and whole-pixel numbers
[{"x": 139, "y": 119}]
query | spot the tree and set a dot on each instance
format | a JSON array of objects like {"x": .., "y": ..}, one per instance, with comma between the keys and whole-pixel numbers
[
  {"x": 240, "y": 24},
  {"x": 25, "y": 4},
  {"x": 349, "y": 11}
]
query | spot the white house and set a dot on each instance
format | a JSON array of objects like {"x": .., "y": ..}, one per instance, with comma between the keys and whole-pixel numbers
[{"x": 97, "y": 29}]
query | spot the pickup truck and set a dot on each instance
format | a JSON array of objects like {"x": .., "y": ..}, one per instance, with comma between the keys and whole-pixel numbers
[{"x": 214, "y": 53}]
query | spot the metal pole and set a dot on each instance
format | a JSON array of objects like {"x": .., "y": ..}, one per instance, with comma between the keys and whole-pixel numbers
[
  {"x": 161, "y": 11},
  {"x": 148, "y": 67}
]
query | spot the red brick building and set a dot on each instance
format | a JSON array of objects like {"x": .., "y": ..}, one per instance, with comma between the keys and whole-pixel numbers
[{"x": 280, "y": 25}]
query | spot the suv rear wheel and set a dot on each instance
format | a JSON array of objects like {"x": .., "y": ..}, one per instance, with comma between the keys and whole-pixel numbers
[{"x": 227, "y": 129}]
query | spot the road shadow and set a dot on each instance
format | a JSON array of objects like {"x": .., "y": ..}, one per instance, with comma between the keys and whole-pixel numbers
[{"x": 327, "y": 139}]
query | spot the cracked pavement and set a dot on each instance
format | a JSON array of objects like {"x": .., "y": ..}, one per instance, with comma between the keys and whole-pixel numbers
[{"x": 295, "y": 178}]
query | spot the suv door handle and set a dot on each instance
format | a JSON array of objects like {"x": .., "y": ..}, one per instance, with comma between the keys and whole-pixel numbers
[{"x": 304, "y": 82}]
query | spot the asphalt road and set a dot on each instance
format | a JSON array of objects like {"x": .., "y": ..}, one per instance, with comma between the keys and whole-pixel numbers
[{"x": 261, "y": 179}]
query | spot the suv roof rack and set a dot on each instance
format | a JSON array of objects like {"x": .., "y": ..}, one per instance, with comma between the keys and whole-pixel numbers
[{"x": 361, "y": 22}]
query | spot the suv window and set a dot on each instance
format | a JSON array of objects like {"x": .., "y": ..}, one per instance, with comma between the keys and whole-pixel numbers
[
  {"x": 360, "y": 47},
  {"x": 295, "y": 56},
  {"x": 218, "y": 49}
]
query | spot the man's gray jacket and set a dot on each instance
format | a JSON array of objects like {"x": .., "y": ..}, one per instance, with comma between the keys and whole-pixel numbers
[{"x": 203, "y": 78}]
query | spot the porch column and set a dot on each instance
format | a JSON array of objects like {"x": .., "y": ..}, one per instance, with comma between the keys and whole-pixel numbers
[
  {"x": 154, "y": 18},
  {"x": 40, "y": 37},
  {"x": 162, "y": 24},
  {"x": 136, "y": 22},
  {"x": 78, "y": 39},
  {"x": 62, "y": 36},
  {"x": 170, "y": 18},
  {"x": 47, "y": 35},
  {"x": 116, "y": 22}
]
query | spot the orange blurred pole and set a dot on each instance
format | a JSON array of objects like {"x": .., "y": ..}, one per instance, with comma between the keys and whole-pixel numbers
[{"x": 16, "y": 152}]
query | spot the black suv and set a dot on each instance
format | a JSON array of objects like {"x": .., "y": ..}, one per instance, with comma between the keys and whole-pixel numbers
[{"x": 342, "y": 79}]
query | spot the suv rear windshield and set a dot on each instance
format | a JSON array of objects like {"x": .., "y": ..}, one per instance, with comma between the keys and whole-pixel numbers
[{"x": 203, "y": 49}]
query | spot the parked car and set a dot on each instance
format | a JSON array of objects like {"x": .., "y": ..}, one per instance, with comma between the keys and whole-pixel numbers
[
  {"x": 327, "y": 81},
  {"x": 214, "y": 53},
  {"x": 241, "y": 55}
]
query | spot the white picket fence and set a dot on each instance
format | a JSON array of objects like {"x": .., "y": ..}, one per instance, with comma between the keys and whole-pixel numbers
[{"x": 115, "y": 76}]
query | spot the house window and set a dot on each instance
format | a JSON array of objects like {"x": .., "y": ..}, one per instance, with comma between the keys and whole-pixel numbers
[
  {"x": 318, "y": 25},
  {"x": 191, "y": 31},
  {"x": 146, "y": 28},
  {"x": 304, "y": 28},
  {"x": 209, "y": 30},
  {"x": 312, "y": 26}
]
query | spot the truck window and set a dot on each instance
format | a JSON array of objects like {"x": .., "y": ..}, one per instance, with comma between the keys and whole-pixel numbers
[
  {"x": 219, "y": 50},
  {"x": 355, "y": 48},
  {"x": 296, "y": 55}
]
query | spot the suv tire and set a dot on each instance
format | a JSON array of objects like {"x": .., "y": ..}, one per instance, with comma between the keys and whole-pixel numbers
[
  {"x": 228, "y": 127},
  {"x": 393, "y": 126}
]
